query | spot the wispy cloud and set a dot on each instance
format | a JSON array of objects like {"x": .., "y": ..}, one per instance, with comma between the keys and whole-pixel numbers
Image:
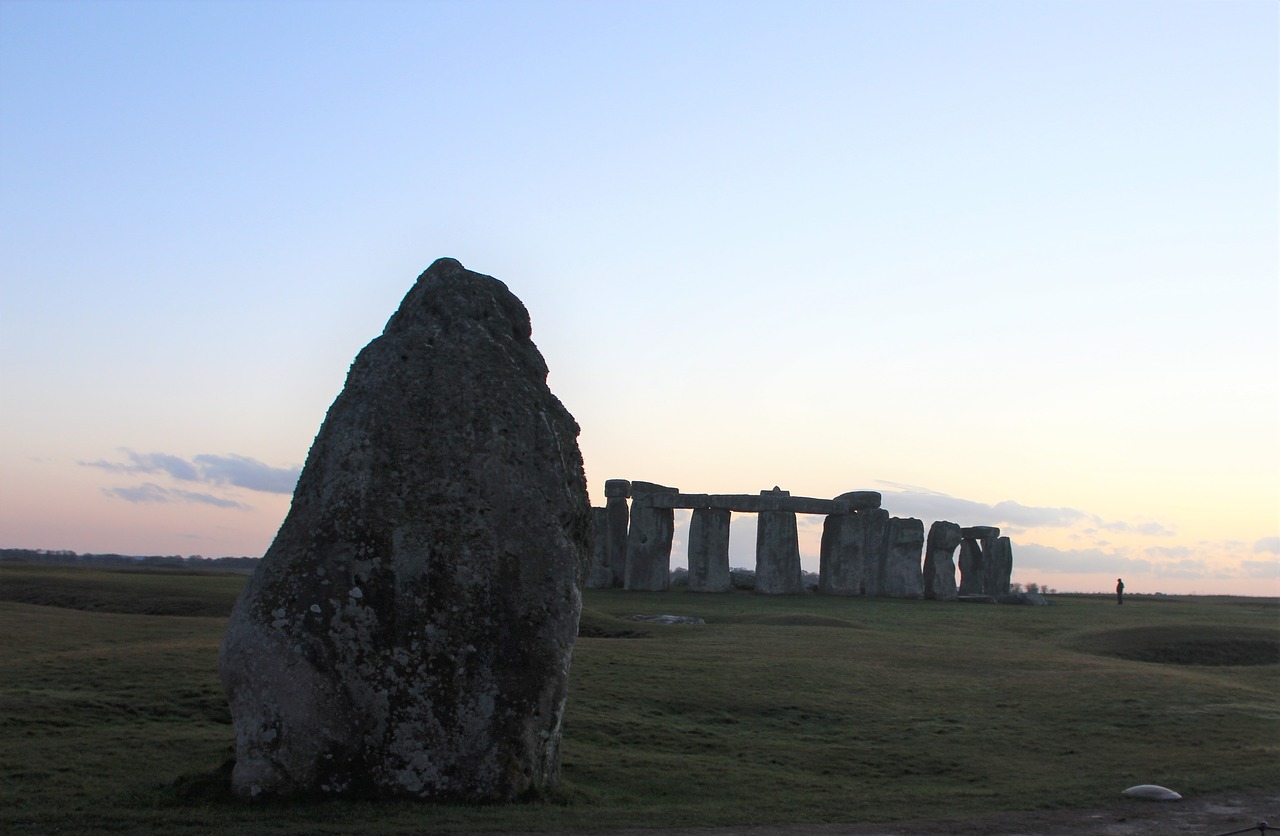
[
  {"x": 150, "y": 492},
  {"x": 932, "y": 505},
  {"x": 1260, "y": 569},
  {"x": 1077, "y": 561},
  {"x": 1174, "y": 552},
  {"x": 1268, "y": 544},
  {"x": 1153, "y": 529},
  {"x": 239, "y": 471},
  {"x": 244, "y": 472},
  {"x": 217, "y": 471},
  {"x": 150, "y": 463}
]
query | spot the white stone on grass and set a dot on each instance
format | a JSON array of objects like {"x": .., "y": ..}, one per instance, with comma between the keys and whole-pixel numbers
[{"x": 1152, "y": 792}]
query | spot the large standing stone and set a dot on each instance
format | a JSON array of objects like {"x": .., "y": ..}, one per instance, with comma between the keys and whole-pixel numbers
[
  {"x": 1002, "y": 568},
  {"x": 777, "y": 548},
  {"x": 840, "y": 568},
  {"x": 970, "y": 567},
  {"x": 904, "y": 542},
  {"x": 978, "y": 569},
  {"x": 875, "y": 549},
  {"x": 600, "y": 577},
  {"x": 939, "y": 561},
  {"x": 649, "y": 540},
  {"x": 709, "y": 550},
  {"x": 616, "y": 492},
  {"x": 409, "y": 632}
]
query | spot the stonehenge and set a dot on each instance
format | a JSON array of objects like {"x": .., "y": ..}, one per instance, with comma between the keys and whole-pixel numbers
[{"x": 864, "y": 551}]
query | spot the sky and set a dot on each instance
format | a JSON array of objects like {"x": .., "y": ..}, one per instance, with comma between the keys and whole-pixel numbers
[{"x": 1009, "y": 263}]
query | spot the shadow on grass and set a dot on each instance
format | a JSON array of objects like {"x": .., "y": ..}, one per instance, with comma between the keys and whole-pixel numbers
[{"x": 1186, "y": 645}]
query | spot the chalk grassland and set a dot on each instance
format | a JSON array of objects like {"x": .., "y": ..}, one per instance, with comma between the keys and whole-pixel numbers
[{"x": 779, "y": 709}]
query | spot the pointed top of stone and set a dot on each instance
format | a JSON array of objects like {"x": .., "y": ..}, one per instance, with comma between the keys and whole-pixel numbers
[{"x": 449, "y": 298}]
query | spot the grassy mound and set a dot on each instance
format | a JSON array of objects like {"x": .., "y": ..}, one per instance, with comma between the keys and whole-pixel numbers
[
  {"x": 1182, "y": 644},
  {"x": 594, "y": 624}
]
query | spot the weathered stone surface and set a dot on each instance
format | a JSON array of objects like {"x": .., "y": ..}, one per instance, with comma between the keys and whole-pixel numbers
[
  {"x": 904, "y": 542},
  {"x": 778, "y": 554},
  {"x": 875, "y": 549},
  {"x": 617, "y": 487},
  {"x": 773, "y": 500},
  {"x": 1000, "y": 567},
  {"x": 410, "y": 629},
  {"x": 749, "y": 503},
  {"x": 649, "y": 546},
  {"x": 980, "y": 565},
  {"x": 709, "y": 551},
  {"x": 644, "y": 492},
  {"x": 615, "y": 544},
  {"x": 860, "y": 500},
  {"x": 939, "y": 561},
  {"x": 600, "y": 576},
  {"x": 840, "y": 569},
  {"x": 743, "y": 578},
  {"x": 971, "y": 560}
]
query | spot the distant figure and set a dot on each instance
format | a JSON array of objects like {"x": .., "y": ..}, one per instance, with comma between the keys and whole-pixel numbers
[{"x": 1119, "y": 591}]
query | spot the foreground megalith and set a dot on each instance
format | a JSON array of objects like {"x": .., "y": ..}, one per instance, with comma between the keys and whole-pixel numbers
[{"x": 409, "y": 632}]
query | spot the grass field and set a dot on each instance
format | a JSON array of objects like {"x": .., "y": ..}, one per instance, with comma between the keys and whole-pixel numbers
[{"x": 778, "y": 710}]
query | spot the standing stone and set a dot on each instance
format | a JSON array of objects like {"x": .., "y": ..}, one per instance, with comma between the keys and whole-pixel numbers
[
  {"x": 979, "y": 570},
  {"x": 970, "y": 567},
  {"x": 649, "y": 540},
  {"x": 709, "y": 550},
  {"x": 777, "y": 548},
  {"x": 840, "y": 569},
  {"x": 1002, "y": 556},
  {"x": 939, "y": 561},
  {"x": 616, "y": 492},
  {"x": 409, "y": 631},
  {"x": 875, "y": 549},
  {"x": 904, "y": 541},
  {"x": 600, "y": 576}
]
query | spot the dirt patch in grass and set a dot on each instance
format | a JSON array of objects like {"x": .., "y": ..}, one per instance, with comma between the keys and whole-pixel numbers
[{"x": 1187, "y": 645}]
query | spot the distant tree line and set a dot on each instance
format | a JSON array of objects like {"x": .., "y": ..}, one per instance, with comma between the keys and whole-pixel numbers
[{"x": 66, "y": 557}]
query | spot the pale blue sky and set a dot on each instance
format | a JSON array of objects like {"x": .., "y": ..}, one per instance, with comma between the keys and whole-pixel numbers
[{"x": 999, "y": 251}]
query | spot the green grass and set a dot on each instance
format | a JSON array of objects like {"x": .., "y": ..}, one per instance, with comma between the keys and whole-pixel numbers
[{"x": 779, "y": 709}]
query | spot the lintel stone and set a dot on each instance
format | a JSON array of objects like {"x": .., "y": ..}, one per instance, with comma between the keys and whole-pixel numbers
[{"x": 747, "y": 503}]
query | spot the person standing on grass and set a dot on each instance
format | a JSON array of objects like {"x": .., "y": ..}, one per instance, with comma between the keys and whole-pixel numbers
[{"x": 1119, "y": 591}]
